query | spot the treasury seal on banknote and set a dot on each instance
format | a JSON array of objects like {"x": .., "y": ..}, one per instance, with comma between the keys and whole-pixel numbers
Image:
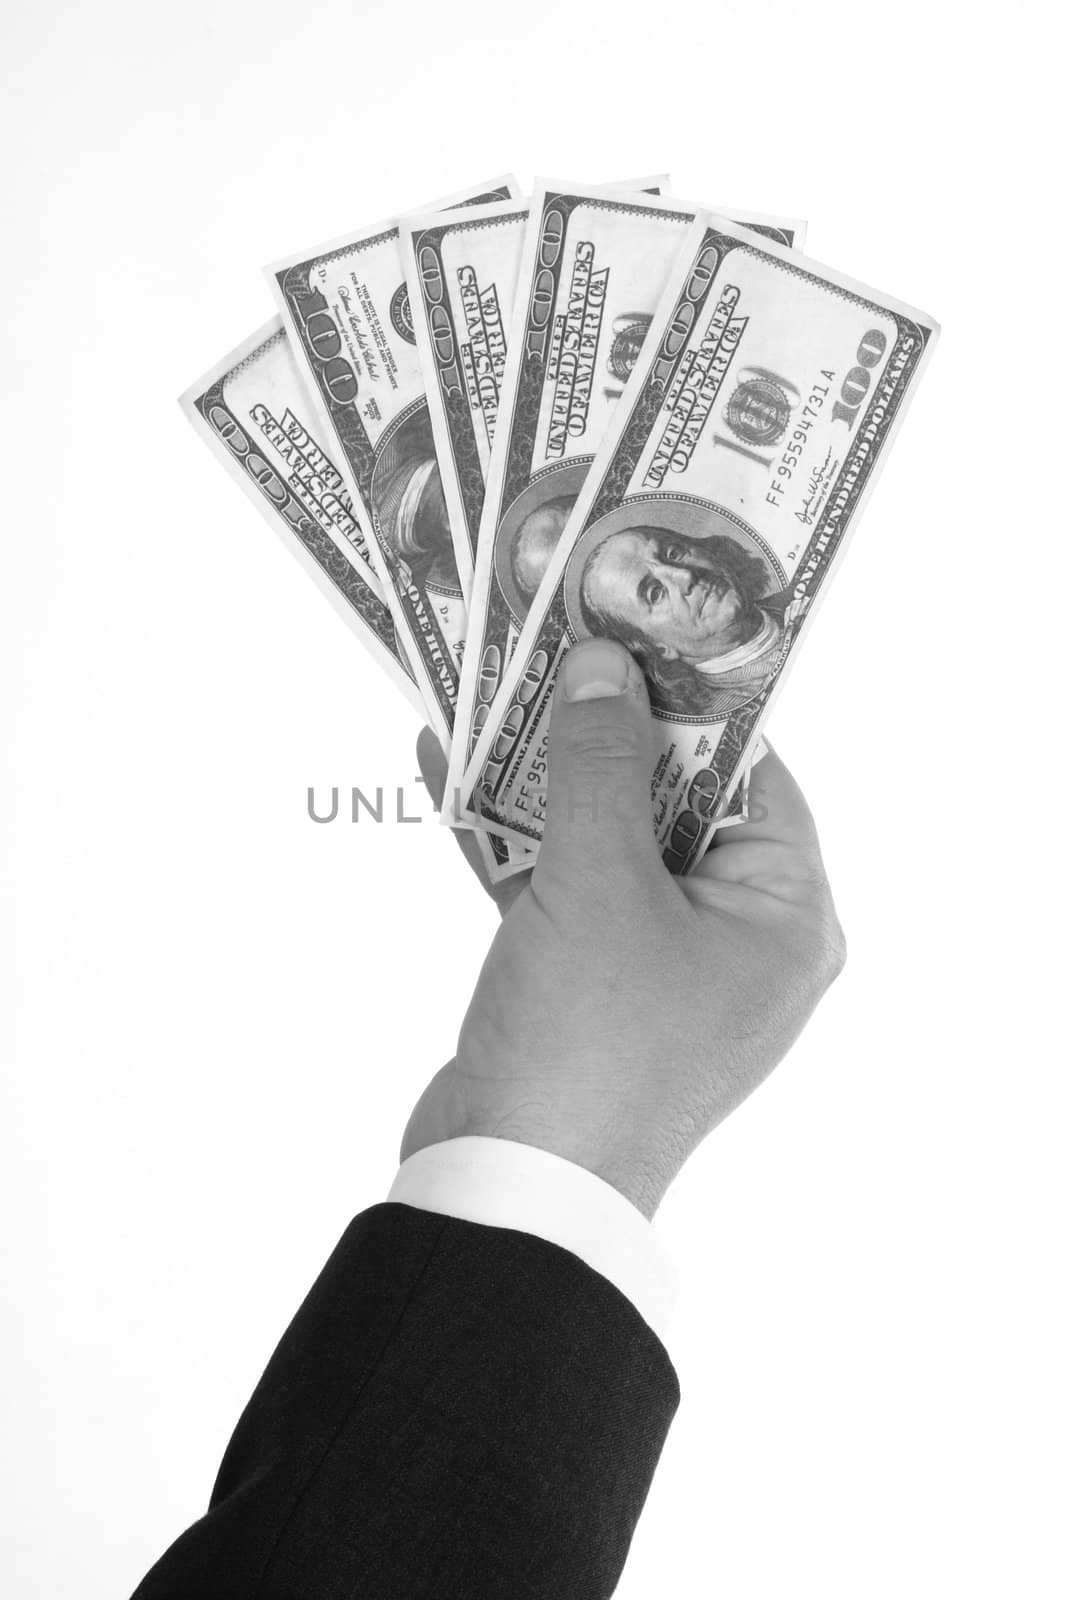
[
  {"x": 760, "y": 408},
  {"x": 400, "y": 314},
  {"x": 692, "y": 591},
  {"x": 627, "y": 336}
]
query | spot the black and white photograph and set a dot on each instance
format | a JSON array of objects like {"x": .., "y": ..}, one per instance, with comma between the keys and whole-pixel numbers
[{"x": 530, "y": 1055}]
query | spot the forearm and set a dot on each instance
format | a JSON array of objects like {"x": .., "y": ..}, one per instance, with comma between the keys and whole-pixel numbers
[{"x": 455, "y": 1410}]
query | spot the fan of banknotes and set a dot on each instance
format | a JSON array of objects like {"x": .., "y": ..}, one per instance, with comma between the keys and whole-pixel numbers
[{"x": 504, "y": 424}]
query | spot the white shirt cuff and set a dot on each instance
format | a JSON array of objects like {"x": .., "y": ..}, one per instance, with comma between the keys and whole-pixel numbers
[{"x": 504, "y": 1184}]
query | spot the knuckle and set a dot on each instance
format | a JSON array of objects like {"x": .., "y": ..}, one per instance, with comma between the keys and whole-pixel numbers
[
  {"x": 835, "y": 949},
  {"x": 818, "y": 944},
  {"x": 812, "y": 874},
  {"x": 603, "y": 741}
]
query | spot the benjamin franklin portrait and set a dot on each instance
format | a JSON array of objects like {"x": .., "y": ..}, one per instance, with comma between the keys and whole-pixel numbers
[
  {"x": 529, "y": 532},
  {"x": 409, "y": 506},
  {"x": 535, "y": 541},
  {"x": 704, "y": 616}
]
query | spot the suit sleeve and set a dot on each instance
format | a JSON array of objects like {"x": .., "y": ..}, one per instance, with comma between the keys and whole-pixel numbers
[{"x": 456, "y": 1411}]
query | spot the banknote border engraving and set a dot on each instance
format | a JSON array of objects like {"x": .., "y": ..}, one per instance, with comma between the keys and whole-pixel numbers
[{"x": 460, "y": 434}]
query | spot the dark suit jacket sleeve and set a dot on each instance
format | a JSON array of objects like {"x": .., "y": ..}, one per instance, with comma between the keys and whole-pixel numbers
[{"x": 456, "y": 1412}]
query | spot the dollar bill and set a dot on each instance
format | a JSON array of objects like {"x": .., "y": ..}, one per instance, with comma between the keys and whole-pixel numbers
[
  {"x": 254, "y": 412},
  {"x": 460, "y": 272},
  {"x": 593, "y": 269},
  {"x": 757, "y": 415},
  {"x": 461, "y": 267},
  {"x": 346, "y": 308}
]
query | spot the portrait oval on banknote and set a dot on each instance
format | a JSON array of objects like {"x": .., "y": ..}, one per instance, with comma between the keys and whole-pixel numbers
[
  {"x": 692, "y": 591},
  {"x": 530, "y": 531},
  {"x": 408, "y": 503}
]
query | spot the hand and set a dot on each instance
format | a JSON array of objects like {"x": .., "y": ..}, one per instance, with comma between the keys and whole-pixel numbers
[{"x": 621, "y": 1013}]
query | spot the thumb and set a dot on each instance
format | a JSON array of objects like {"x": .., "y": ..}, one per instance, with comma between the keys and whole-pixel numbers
[{"x": 599, "y": 764}]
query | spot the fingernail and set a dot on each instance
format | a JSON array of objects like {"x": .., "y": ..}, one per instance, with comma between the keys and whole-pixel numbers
[{"x": 595, "y": 670}]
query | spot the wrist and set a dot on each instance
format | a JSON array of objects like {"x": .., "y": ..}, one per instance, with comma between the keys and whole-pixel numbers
[
  {"x": 634, "y": 1176},
  {"x": 451, "y": 1108}
]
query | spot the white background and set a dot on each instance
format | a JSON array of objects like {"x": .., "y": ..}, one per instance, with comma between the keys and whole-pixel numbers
[{"x": 217, "y": 1015}]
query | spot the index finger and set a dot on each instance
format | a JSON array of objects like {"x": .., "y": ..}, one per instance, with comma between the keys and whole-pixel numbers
[{"x": 778, "y": 814}]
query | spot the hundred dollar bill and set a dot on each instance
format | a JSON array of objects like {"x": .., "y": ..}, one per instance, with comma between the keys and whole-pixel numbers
[
  {"x": 346, "y": 308},
  {"x": 460, "y": 272},
  {"x": 461, "y": 268},
  {"x": 254, "y": 412},
  {"x": 594, "y": 266},
  {"x": 754, "y": 422}
]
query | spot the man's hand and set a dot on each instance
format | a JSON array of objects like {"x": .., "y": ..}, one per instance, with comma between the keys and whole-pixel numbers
[{"x": 621, "y": 1013}]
